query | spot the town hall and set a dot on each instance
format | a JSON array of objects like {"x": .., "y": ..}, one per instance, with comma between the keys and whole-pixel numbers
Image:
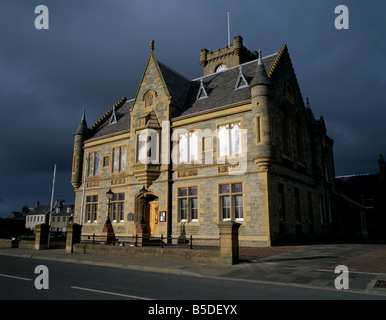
[{"x": 239, "y": 143}]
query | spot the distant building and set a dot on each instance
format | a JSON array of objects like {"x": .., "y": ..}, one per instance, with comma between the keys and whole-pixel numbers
[
  {"x": 61, "y": 217},
  {"x": 368, "y": 190},
  {"x": 37, "y": 215},
  {"x": 19, "y": 215}
]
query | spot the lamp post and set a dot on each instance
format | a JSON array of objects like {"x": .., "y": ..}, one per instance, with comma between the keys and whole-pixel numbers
[
  {"x": 108, "y": 234},
  {"x": 109, "y": 195},
  {"x": 143, "y": 192}
]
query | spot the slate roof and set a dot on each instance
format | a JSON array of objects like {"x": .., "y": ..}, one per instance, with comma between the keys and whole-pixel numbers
[
  {"x": 63, "y": 210},
  {"x": 40, "y": 209},
  {"x": 220, "y": 88},
  {"x": 122, "y": 124}
]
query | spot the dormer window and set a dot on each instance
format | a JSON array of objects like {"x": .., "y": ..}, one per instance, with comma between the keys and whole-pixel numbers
[
  {"x": 202, "y": 92},
  {"x": 115, "y": 116},
  {"x": 241, "y": 81}
]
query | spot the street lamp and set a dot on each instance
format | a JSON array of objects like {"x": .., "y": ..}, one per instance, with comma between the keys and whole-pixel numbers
[
  {"x": 143, "y": 192},
  {"x": 109, "y": 195}
]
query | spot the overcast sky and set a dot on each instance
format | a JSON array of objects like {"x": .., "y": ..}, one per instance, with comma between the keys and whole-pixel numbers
[{"x": 95, "y": 52}]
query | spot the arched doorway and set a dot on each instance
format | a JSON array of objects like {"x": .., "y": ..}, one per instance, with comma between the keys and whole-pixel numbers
[{"x": 150, "y": 207}]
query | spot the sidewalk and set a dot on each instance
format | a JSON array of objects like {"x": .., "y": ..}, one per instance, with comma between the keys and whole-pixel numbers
[{"x": 306, "y": 265}]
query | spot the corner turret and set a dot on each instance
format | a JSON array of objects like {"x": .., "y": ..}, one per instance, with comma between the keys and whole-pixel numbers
[
  {"x": 77, "y": 164},
  {"x": 261, "y": 97}
]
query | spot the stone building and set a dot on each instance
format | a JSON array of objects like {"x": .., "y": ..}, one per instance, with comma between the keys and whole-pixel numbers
[{"x": 238, "y": 143}]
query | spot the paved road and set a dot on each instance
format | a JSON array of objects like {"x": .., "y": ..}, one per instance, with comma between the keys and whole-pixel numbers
[{"x": 70, "y": 281}]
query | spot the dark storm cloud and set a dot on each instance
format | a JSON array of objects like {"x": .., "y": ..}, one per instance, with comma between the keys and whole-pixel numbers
[{"x": 95, "y": 52}]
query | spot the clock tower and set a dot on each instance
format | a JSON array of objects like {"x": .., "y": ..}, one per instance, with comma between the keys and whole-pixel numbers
[{"x": 226, "y": 57}]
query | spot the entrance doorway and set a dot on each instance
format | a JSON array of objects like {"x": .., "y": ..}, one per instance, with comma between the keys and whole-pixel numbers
[
  {"x": 153, "y": 215},
  {"x": 150, "y": 213}
]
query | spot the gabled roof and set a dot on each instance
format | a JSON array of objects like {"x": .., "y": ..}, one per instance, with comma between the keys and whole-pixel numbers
[
  {"x": 63, "y": 210},
  {"x": 40, "y": 209},
  {"x": 176, "y": 84},
  {"x": 222, "y": 88},
  {"x": 103, "y": 127}
]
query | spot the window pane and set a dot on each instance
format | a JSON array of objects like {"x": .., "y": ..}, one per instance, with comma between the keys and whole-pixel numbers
[
  {"x": 182, "y": 192},
  {"x": 183, "y": 148},
  {"x": 121, "y": 196},
  {"x": 238, "y": 207},
  {"x": 224, "y": 188},
  {"x": 223, "y": 140},
  {"x": 95, "y": 198},
  {"x": 193, "y": 145},
  {"x": 97, "y": 162},
  {"x": 91, "y": 165},
  {"x": 235, "y": 139},
  {"x": 193, "y": 191},
  {"x": 142, "y": 152},
  {"x": 123, "y": 158},
  {"x": 153, "y": 146},
  {"x": 193, "y": 208},
  {"x": 121, "y": 210},
  {"x": 95, "y": 211},
  {"x": 183, "y": 209},
  {"x": 237, "y": 187},
  {"x": 114, "y": 211},
  {"x": 116, "y": 160},
  {"x": 225, "y": 207}
]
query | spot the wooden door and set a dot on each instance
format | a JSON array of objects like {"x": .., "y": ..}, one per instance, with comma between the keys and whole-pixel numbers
[{"x": 153, "y": 221}]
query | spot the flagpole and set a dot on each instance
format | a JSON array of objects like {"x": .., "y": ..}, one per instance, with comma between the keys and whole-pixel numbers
[
  {"x": 52, "y": 199},
  {"x": 229, "y": 30}
]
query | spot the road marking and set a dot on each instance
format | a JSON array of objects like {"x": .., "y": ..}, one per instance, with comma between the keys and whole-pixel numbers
[
  {"x": 13, "y": 277},
  {"x": 112, "y": 293}
]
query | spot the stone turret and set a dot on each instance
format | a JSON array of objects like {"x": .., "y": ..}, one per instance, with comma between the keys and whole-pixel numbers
[
  {"x": 228, "y": 56},
  {"x": 260, "y": 87},
  {"x": 77, "y": 164}
]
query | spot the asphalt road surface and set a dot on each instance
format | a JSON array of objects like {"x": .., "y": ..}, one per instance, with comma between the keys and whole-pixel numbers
[{"x": 68, "y": 281}]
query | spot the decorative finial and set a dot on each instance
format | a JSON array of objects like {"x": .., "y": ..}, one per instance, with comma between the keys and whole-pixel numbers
[
  {"x": 152, "y": 45},
  {"x": 260, "y": 61}
]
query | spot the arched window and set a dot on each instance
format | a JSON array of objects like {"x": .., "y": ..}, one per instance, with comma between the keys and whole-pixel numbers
[
  {"x": 300, "y": 141},
  {"x": 285, "y": 130}
]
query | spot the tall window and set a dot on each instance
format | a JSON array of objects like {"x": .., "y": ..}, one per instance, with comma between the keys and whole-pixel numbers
[
  {"x": 281, "y": 201},
  {"x": 188, "y": 204},
  {"x": 300, "y": 142},
  {"x": 231, "y": 201},
  {"x": 285, "y": 131},
  {"x": 118, "y": 207},
  {"x": 119, "y": 159},
  {"x": 229, "y": 139},
  {"x": 94, "y": 163},
  {"x": 147, "y": 146},
  {"x": 188, "y": 147},
  {"x": 91, "y": 208}
]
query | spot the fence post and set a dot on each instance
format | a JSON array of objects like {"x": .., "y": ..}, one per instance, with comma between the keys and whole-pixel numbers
[
  {"x": 136, "y": 239},
  {"x": 191, "y": 242},
  {"x": 41, "y": 236},
  {"x": 74, "y": 232},
  {"x": 162, "y": 240},
  {"x": 229, "y": 242},
  {"x": 93, "y": 238}
]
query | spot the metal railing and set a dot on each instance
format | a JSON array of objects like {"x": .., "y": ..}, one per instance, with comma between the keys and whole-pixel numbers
[{"x": 161, "y": 242}]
